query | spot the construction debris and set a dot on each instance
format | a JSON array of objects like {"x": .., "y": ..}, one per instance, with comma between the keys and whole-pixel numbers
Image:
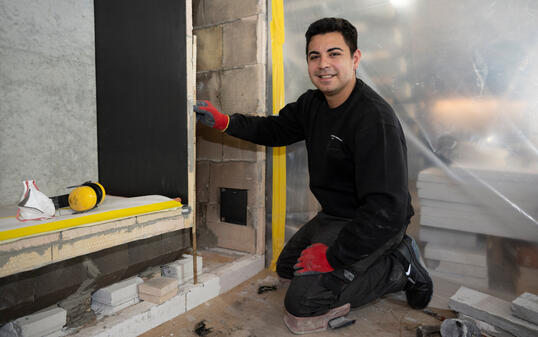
[
  {"x": 455, "y": 327},
  {"x": 264, "y": 289},
  {"x": 491, "y": 310},
  {"x": 201, "y": 330},
  {"x": 428, "y": 330}
]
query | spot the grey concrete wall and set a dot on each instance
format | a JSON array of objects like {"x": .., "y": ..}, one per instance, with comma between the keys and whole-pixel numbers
[{"x": 47, "y": 95}]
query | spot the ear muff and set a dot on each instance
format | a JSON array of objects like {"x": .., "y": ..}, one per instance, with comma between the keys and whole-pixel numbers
[
  {"x": 86, "y": 197},
  {"x": 99, "y": 191}
]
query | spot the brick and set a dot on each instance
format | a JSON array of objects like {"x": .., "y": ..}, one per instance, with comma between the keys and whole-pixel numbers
[
  {"x": 202, "y": 181},
  {"x": 208, "y": 144},
  {"x": 42, "y": 323},
  {"x": 208, "y": 287},
  {"x": 526, "y": 307},
  {"x": 491, "y": 310},
  {"x": 158, "y": 299},
  {"x": 243, "y": 90},
  {"x": 209, "y": 49},
  {"x": 235, "y": 149},
  {"x": 209, "y": 12},
  {"x": 208, "y": 87},
  {"x": 118, "y": 293},
  {"x": 240, "y": 42},
  {"x": 158, "y": 286}
]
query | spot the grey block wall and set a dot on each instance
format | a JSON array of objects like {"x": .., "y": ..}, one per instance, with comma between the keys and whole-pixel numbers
[{"x": 47, "y": 95}]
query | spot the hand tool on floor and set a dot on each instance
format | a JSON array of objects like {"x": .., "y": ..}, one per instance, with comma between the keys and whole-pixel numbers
[{"x": 428, "y": 330}]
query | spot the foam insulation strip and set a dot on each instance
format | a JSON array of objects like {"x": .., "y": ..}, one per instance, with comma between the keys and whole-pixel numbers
[
  {"x": 279, "y": 153},
  {"x": 100, "y": 214}
]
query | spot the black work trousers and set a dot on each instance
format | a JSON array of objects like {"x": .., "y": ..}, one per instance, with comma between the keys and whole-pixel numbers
[{"x": 312, "y": 295}]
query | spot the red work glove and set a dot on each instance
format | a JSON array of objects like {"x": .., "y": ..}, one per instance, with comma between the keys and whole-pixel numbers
[
  {"x": 210, "y": 116},
  {"x": 313, "y": 260}
]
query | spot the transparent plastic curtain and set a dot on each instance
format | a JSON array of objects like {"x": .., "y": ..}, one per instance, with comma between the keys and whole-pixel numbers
[{"x": 462, "y": 77}]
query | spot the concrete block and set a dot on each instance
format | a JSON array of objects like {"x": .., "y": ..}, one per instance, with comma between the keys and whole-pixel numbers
[
  {"x": 118, "y": 293},
  {"x": 447, "y": 237},
  {"x": 158, "y": 286},
  {"x": 492, "y": 310},
  {"x": 240, "y": 42},
  {"x": 470, "y": 256},
  {"x": 182, "y": 269},
  {"x": 106, "y": 310},
  {"x": 236, "y": 237},
  {"x": 136, "y": 319},
  {"x": 202, "y": 181},
  {"x": 30, "y": 242},
  {"x": 235, "y": 149},
  {"x": 243, "y": 90},
  {"x": 231, "y": 275},
  {"x": 209, "y": 48},
  {"x": 208, "y": 87},
  {"x": 486, "y": 328},
  {"x": 240, "y": 175},
  {"x": 526, "y": 307},
  {"x": 209, "y": 12},
  {"x": 158, "y": 299},
  {"x": 42, "y": 323},
  {"x": 208, "y": 144},
  {"x": 208, "y": 287}
]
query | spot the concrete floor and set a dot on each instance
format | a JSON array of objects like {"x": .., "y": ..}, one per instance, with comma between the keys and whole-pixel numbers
[{"x": 243, "y": 312}]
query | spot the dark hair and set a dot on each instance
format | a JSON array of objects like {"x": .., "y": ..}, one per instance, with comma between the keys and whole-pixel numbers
[{"x": 328, "y": 25}]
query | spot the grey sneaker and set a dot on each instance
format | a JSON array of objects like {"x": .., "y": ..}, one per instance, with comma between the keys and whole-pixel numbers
[{"x": 419, "y": 287}]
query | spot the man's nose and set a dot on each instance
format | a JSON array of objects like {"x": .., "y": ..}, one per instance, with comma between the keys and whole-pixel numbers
[{"x": 323, "y": 61}]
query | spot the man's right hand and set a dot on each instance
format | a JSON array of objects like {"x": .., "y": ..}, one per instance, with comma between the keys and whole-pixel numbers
[{"x": 210, "y": 116}]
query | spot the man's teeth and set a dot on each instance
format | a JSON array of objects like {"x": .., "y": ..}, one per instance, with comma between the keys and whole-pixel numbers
[{"x": 326, "y": 76}]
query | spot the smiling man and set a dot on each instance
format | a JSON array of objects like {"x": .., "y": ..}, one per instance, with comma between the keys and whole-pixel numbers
[{"x": 355, "y": 249}]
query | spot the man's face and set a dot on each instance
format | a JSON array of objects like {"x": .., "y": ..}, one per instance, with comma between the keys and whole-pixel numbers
[{"x": 331, "y": 66}]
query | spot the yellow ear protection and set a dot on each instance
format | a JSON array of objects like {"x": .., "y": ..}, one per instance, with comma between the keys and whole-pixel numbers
[{"x": 83, "y": 198}]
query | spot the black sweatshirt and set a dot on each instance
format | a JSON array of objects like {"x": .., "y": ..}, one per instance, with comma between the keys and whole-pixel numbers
[{"x": 357, "y": 160}]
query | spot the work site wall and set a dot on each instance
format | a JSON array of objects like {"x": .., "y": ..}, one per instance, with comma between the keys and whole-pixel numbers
[
  {"x": 462, "y": 77},
  {"x": 47, "y": 96}
]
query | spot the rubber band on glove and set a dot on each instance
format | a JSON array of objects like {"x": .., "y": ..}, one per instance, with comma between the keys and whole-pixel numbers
[
  {"x": 210, "y": 116},
  {"x": 313, "y": 260}
]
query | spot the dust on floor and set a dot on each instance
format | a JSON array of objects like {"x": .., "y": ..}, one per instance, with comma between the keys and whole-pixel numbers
[{"x": 242, "y": 312}]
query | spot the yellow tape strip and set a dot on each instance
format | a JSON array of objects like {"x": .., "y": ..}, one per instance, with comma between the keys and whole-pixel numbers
[
  {"x": 82, "y": 220},
  {"x": 279, "y": 153}
]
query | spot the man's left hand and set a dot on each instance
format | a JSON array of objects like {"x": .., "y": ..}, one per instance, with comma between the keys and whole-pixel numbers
[{"x": 313, "y": 260}]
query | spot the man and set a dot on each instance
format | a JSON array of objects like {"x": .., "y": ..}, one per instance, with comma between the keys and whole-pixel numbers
[{"x": 355, "y": 250}]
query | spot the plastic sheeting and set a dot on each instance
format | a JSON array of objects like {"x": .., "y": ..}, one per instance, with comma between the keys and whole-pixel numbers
[{"x": 462, "y": 77}]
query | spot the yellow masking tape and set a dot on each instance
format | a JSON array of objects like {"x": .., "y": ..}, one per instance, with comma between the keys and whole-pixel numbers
[
  {"x": 91, "y": 218},
  {"x": 279, "y": 153}
]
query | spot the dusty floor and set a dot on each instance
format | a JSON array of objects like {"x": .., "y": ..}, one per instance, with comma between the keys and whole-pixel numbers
[{"x": 243, "y": 312}]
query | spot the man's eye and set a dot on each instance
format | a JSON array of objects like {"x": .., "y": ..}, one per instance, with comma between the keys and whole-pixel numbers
[
  {"x": 335, "y": 54},
  {"x": 313, "y": 57}
]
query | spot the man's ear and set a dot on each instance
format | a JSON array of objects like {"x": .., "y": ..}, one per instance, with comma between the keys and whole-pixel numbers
[{"x": 356, "y": 59}]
